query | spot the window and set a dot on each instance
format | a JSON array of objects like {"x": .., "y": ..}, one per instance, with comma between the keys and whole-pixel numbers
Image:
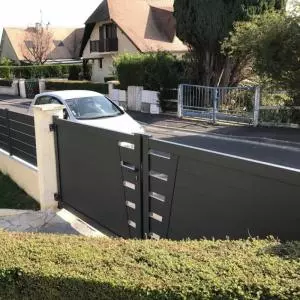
[
  {"x": 58, "y": 43},
  {"x": 101, "y": 63},
  {"x": 46, "y": 100},
  {"x": 111, "y": 31},
  {"x": 29, "y": 44}
]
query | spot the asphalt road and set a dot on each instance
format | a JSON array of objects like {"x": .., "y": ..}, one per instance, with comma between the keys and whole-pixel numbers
[{"x": 281, "y": 154}]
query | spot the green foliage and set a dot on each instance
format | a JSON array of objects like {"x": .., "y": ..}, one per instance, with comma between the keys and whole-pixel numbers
[
  {"x": 60, "y": 85},
  {"x": 204, "y": 24},
  {"x": 6, "y": 83},
  {"x": 4, "y": 61},
  {"x": 282, "y": 115},
  {"x": 41, "y": 71},
  {"x": 89, "y": 268},
  {"x": 110, "y": 78},
  {"x": 11, "y": 196},
  {"x": 75, "y": 72},
  {"x": 153, "y": 71},
  {"x": 273, "y": 43}
]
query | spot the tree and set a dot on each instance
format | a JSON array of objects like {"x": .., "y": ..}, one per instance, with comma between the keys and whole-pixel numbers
[
  {"x": 37, "y": 44},
  {"x": 204, "y": 24},
  {"x": 272, "y": 42}
]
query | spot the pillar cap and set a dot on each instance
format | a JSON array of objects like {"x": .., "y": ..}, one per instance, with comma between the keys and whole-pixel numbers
[{"x": 48, "y": 107}]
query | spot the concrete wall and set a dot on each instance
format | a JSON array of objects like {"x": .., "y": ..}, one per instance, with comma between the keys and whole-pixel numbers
[
  {"x": 13, "y": 90},
  {"x": 125, "y": 46},
  {"x": 22, "y": 173}
]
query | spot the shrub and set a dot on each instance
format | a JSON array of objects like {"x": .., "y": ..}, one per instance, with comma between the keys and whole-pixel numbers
[
  {"x": 152, "y": 70},
  {"x": 111, "y": 78},
  {"x": 74, "y": 72},
  {"x": 5, "y": 82},
  {"x": 85, "y": 268},
  {"x": 43, "y": 71},
  {"x": 76, "y": 85}
]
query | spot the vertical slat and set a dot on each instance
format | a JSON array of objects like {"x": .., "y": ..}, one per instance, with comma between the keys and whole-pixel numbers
[{"x": 145, "y": 198}]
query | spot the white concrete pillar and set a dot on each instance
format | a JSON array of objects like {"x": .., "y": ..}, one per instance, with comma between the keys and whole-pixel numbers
[
  {"x": 135, "y": 97},
  {"x": 22, "y": 88},
  {"x": 42, "y": 85},
  {"x": 15, "y": 87},
  {"x": 256, "y": 106},
  {"x": 110, "y": 89},
  {"x": 46, "y": 156}
]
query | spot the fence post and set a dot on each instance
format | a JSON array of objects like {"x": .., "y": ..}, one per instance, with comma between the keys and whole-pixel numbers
[
  {"x": 45, "y": 150},
  {"x": 42, "y": 85},
  {"x": 256, "y": 106},
  {"x": 22, "y": 88},
  {"x": 8, "y": 133},
  {"x": 215, "y": 96},
  {"x": 180, "y": 101}
]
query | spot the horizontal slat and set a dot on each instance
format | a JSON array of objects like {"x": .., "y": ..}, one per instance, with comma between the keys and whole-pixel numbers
[
  {"x": 23, "y": 147},
  {"x": 4, "y": 145},
  {"x": 3, "y": 121},
  {"x": 27, "y": 139},
  {"x": 25, "y": 156},
  {"x": 3, "y": 112},
  {"x": 160, "y": 164},
  {"x": 28, "y": 129},
  {"x": 3, "y": 130},
  {"x": 157, "y": 206},
  {"x": 128, "y": 155},
  {"x": 26, "y": 119},
  {"x": 157, "y": 227},
  {"x": 158, "y": 186}
]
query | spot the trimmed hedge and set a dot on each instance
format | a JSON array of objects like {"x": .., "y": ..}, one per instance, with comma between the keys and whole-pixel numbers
[
  {"x": 36, "y": 266},
  {"x": 42, "y": 71},
  {"x": 153, "y": 71},
  {"x": 76, "y": 85}
]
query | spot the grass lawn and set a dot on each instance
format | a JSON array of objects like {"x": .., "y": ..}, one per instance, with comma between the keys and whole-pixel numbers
[{"x": 11, "y": 196}]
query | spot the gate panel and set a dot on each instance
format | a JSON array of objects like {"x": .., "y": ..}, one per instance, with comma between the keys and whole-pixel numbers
[
  {"x": 32, "y": 88},
  {"x": 99, "y": 174},
  {"x": 235, "y": 104},
  {"x": 209, "y": 194}
]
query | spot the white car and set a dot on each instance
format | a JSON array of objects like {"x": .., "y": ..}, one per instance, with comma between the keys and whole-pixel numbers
[{"x": 92, "y": 109}]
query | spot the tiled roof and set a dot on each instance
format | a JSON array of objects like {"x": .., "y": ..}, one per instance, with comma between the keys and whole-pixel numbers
[
  {"x": 65, "y": 45},
  {"x": 149, "y": 24}
]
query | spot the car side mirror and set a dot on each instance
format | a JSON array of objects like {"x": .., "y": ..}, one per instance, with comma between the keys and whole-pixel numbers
[
  {"x": 65, "y": 114},
  {"x": 122, "y": 108}
]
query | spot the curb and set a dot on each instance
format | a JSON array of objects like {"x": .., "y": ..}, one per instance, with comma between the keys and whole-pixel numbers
[{"x": 270, "y": 143}]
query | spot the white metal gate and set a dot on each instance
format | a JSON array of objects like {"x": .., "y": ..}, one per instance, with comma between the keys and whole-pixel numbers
[{"x": 235, "y": 104}]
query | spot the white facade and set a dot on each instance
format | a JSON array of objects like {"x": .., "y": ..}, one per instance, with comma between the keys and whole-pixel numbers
[{"x": 124, "y": 46}]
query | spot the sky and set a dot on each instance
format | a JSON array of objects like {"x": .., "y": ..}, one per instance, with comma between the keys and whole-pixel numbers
[{"x": 60, "y": 13}]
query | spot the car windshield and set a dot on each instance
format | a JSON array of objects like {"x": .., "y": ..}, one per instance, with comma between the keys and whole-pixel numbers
[{"x": 95, "y": 107}]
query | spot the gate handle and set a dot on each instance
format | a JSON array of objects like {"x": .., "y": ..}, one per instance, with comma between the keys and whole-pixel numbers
[{"x": 128, "y": 167}]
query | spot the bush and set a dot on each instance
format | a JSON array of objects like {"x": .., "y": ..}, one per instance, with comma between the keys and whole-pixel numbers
[
  {"x": 6, "y": 83},
  {"x": 76, "y": 85},
  {"x": 74, "y": 72},
  {"x": 88, "y": 268},
  {"x": 153, "y": 71},
  {"x": 43, "y": 71}
]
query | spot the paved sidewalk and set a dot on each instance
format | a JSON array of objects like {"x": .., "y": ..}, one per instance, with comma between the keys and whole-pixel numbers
[
  {"x": 61, "y": 222},
  {"x": 260, "y": 134}
]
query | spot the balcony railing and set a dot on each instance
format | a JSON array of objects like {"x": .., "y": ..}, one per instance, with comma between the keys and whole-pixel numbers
[{"x": 107, "y": 45}]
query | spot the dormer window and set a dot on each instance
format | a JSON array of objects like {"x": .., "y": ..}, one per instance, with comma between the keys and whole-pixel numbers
[{"x": 58, "y": 43}]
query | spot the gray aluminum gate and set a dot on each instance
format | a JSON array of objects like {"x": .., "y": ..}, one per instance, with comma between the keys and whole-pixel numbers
[
  {"x": 137, "y": 186},
  {"x": 32, "y": 88},
  {"x": 235, "y": 104},
  {"x": 99, "y": 173}
]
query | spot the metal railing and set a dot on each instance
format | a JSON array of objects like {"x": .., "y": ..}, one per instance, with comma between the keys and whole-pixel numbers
[
  {"x": 235, "y": 104},
  {"x": 106, "y": 45}
]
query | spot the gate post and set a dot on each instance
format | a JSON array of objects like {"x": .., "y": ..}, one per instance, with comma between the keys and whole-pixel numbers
[
  {"x": 46, "y": 157},
  {"x": 22, "y": 88},
  {"x": 256, "y": 106},
  {"x": 215, "y": 96},
  {"x": 180, "y": 101}
]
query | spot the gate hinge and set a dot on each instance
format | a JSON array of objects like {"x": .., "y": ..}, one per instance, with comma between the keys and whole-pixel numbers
[
  {"x": 52, "y": 127},
  {"x": 57, "y": 197}
]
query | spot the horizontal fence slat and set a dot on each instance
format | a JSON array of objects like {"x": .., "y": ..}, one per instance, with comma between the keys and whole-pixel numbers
[
  {"x": 23, "y": 128},
  {"x": 24, "y": 138},
  {"x": 30, "y": 150},
  {"x": 3, "y": 121},
  {"x": 25, "y": 156},
  {"x": 3, "y": 113},
  {"x": 4, "y": 145},
  {"x": 26, "y": 119}
]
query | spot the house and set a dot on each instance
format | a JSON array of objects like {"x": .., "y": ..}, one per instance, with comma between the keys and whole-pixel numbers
[
  {"x": 119, "y": 26},
  {"x": 64, "y": 44}
]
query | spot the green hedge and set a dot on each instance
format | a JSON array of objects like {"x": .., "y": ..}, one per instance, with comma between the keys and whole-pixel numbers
[
  {"x": 43, "y": 71},
  {"x": 36, "y": 266},
  {"x": 152, "y": 70},
  {"x": 77, "y": 85}
]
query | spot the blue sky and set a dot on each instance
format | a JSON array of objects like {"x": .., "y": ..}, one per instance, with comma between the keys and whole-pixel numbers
[{"x": 21, "y": 13}]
